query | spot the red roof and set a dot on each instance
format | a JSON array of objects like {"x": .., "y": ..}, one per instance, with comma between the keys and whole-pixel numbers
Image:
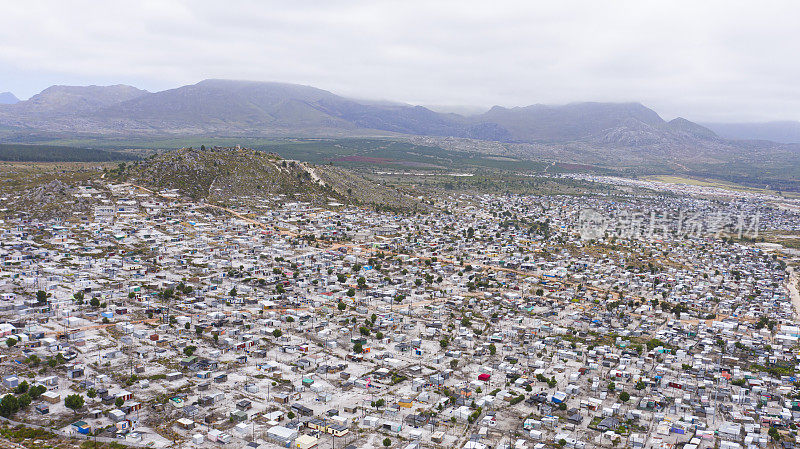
[{"x": 484, "y": 377}]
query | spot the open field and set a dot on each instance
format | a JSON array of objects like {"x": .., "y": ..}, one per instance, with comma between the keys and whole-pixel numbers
[{"x": 706, "y": 182}]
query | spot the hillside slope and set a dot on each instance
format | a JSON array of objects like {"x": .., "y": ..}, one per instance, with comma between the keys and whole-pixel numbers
[{"x": 235, "y": 175}]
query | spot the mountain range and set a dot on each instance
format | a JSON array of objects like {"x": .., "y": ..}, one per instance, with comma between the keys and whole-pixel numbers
[
  {"x": 265, "y": 109},
  {"x": 608, "y": 134},
  {"x": 781, "y": 132}
]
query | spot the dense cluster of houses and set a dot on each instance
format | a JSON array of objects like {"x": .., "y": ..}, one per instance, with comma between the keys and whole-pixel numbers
[{"x": 490, "y": 324}]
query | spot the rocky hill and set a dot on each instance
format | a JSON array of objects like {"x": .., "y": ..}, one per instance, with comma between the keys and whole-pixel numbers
[{"x": 236, "y": 175}]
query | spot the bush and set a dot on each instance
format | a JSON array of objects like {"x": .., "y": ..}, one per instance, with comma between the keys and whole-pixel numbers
[{"x": 74, "y": 402}]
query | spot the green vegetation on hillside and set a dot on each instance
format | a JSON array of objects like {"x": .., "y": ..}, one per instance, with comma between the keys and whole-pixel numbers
[{"x": 46, "y": 153}]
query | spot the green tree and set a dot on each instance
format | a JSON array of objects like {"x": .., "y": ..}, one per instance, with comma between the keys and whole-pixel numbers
[
  {"x": 624, "y": 396},
  {"x": 387, "y": 442},
  {"x": 341, "y": 306},
  {"x": 24, "y": 400},
  {"x": 189, "y": 350},
  {"x": 612, "y": 386},
  {"x": 41, "y": 297},
  {"x": 9, "y": 405},
  {"x": 91, "y": 393},
  {"x": 11, "y": 341},
  {"x": 358, "y": 348},
  {"x": 36, "y": 391},
  {"x": 22, "y": 387},
  {"x": 119, "y": 402},
  {"x": 277, "y": 333},
  {"x": 74, "y": 402},
  {"x": 94, "y": 302}
]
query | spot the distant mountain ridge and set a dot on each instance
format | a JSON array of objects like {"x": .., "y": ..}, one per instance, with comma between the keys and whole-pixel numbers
[
  {"x": 8, "y": 98},
  {"x": 266, "y": 108},
  {"x": 66, "y": 100},
  {"x": 782, "y": 132}
]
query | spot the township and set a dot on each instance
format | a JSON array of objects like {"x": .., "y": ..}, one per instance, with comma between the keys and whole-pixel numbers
[{"x": 494, "y": 321}]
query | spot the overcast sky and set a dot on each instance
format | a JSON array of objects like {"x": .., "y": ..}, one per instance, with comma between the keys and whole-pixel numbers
[{"x": 703, "y": 60}]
